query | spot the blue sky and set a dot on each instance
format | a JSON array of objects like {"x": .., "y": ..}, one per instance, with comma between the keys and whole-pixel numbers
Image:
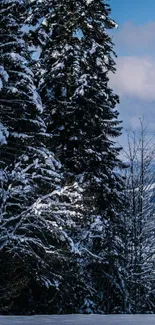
[
  {"x": 134, "y": 80},
  {"x": 138, "y": 11}
]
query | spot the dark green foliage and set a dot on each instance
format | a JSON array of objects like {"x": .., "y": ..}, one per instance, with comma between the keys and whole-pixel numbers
[
  {"x": 35, "y": 206},
  {"x": 62, "y": 224},
  {"x": 79, "y": 110}
]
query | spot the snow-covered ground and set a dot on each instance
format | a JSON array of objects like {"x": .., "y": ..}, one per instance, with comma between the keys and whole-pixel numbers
[{"x": 79, "y": 320}]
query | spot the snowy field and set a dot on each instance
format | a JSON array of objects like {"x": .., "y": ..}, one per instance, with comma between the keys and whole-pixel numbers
[{"x": 79, "y": 320}]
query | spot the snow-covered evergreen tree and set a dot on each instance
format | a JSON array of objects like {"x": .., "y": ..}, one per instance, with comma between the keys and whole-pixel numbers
[
  {"x": 36, "y": 208},
  {"x": 20, "y": 104},
  {"x": 76, "y": 57}
]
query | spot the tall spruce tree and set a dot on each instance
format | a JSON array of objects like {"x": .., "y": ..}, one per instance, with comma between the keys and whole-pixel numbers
[
  {"x": 35, "y": 217},
  {"x": 76, "y": 58}
]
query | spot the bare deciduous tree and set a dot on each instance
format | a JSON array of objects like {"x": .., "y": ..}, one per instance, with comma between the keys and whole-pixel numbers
[{"x": 140, "y": 221}]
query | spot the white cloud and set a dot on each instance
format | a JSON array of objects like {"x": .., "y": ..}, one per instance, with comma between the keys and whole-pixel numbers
[
  {"x": 134, "y": 80},
  {"x": 137, "y": 37},
  {"x": 135, "y": 77}
]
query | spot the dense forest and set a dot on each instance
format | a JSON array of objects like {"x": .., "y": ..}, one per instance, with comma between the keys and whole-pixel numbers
[{"x": 77, "y": 229}]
